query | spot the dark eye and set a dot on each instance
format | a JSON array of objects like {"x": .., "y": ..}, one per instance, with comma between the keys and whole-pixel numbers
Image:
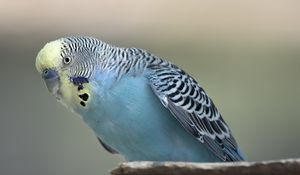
[{"x": 67, "y": 60}]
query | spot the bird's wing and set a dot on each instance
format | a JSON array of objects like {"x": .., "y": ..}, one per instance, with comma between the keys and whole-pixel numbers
[
  {"x": 191, "y": 106},
  {"x": 107, "y": 148}
]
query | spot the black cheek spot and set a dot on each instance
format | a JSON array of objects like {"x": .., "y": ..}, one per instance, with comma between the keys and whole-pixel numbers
[
  {"x": 80, "y": 87},
  {"x": 84, "y": 96},
  {"x": 82, "y": 103}
]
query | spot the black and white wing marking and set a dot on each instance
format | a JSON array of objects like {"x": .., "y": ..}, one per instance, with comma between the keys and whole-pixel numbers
[{"x": 191, "y": 106}]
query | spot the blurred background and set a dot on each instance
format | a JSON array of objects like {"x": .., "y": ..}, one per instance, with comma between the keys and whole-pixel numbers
[{"x": 246, "y": 54}]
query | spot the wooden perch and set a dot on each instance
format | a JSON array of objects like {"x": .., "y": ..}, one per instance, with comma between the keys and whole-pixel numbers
[{"x": 276, "y": 167}]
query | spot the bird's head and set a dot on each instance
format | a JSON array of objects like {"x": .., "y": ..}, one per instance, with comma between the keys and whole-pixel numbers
[{"x": 66, "y": 65}]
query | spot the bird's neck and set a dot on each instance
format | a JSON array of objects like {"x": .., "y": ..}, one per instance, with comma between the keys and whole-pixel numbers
[{"x": 122, "y": 61}]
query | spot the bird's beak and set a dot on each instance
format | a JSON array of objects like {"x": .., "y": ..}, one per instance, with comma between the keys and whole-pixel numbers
[{"x": 51, "y": 79}]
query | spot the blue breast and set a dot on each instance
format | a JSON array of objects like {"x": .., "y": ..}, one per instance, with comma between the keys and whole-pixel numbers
[{"x": 128, "y": 117}]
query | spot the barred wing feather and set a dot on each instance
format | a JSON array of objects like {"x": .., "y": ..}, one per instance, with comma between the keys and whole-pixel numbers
[{"x": 191, "y": 106}]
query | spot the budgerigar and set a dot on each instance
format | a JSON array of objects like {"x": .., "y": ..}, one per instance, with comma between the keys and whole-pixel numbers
[{"x": 139, "y": 105}]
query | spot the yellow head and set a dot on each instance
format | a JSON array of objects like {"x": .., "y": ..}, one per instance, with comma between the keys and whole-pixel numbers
[
  {"x": 49, "y": 56},
  {"x": 62, "y": 65}
]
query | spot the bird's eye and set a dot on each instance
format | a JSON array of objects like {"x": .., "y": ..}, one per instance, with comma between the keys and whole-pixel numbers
[{"x": 67, "y": 60}]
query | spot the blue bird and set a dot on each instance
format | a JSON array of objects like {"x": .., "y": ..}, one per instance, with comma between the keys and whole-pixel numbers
[{"x": 139, "y": 105}]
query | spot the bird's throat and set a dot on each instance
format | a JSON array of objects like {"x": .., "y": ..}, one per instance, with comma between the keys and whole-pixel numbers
[{"x": 74, "y": 95}]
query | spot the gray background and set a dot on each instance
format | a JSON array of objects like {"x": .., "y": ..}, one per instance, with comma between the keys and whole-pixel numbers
[{"x": 245, "y": 54}]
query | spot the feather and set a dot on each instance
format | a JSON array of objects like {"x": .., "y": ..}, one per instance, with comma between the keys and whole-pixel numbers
[
  {"x": 191, "y": 106},
  {"x": 106, "y": 147}
]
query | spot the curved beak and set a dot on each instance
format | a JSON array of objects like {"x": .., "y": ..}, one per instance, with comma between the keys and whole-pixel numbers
[{"x": 51, "y": 79}]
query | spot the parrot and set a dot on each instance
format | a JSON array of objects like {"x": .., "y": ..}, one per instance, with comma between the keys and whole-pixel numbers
[{"x": 139, "y": 105}]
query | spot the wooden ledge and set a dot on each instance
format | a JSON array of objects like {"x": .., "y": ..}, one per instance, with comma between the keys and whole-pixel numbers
[{"x": 274, "y": 167}]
